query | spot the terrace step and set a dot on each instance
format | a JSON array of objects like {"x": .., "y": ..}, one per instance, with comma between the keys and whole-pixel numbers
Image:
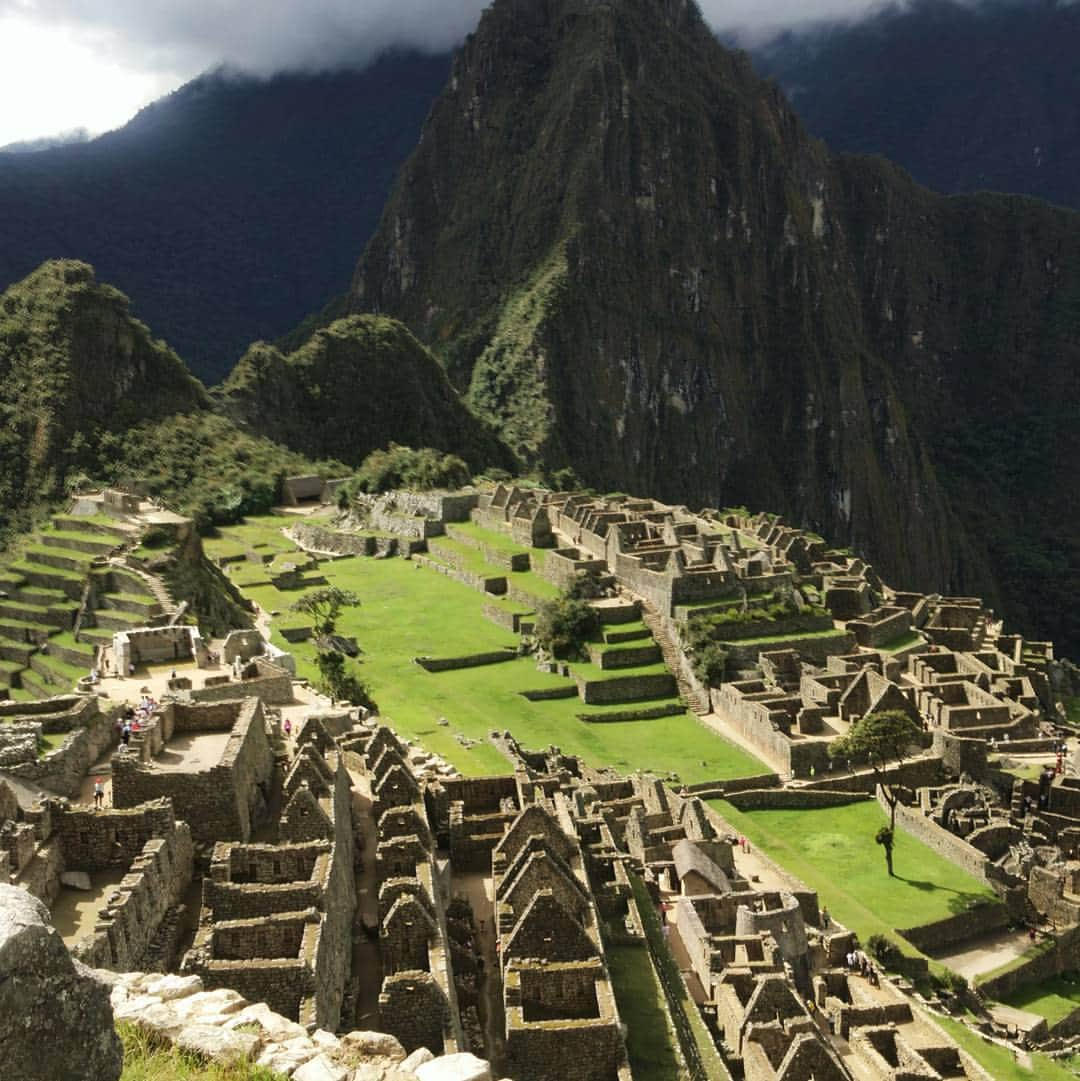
[
  {"x": 64, "y": 558},
  {"x": 49, "y": 577},
  {"x": 67, "y": 649},
  {"x": 35, "y": 613},
  {"x": 35, "y": 685},
  {"x": 55, "y": 671},
  {"x": 77, "y": 523},
  {"x": 44, "y": 598},
  {"x": 21, "y": 630},
  {"x": 16, "y": 651},
  {"x": 115, "y": 620},
  {"x": 143, "y": 605},
  {"x": 85, "y": 543},
  {"x": 613, "y": 636}
]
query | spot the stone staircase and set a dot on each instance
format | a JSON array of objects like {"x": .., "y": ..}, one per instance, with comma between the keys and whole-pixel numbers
[{"x": 672, "y": 652}]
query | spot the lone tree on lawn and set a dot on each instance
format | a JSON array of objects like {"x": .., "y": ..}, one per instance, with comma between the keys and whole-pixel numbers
[
  {"x": 324, "y": 606},
  {"x": 886, "y": 838},
  {"x": 880, "y": 737}
]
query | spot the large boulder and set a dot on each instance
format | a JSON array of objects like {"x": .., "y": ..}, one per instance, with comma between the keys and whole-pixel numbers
[{"x": 56, "y": 1021}]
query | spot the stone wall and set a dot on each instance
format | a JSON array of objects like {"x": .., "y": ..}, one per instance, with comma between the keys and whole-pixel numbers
[
  {"x": 266, "y": 681},
  {"x": 807, "y": 799},
  {"x": 153, "y": 886},
  {"x": 474, "y": 660},
  {"x": 62, "y": 771},
  {"x": 221, "y": 802},
  {"x": 626, "y": 688},
  {"x": 981, "y": 920},
  {"x": 1062, "y": 956}
]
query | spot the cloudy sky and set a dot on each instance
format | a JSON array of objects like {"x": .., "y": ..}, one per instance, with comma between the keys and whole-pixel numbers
[{"x": 66, "y": 64}]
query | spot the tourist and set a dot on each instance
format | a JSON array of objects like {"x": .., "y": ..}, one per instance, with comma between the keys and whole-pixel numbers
[
  {"x": 825, "y": 916},
  {"x": 288, "y": 728},
  {"x": 125, "y": 734},
  {"x": 99, "y": 794}
]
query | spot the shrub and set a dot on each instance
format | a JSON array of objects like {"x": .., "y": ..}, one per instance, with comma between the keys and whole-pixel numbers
[
  {"x": 403, "y": 467},
  {"x": 884, "y": 951},
  {"x": 710, "y": 664}
]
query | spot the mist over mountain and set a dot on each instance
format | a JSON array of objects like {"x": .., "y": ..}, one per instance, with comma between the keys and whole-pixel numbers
[
  {"x": 229, "y": 210},
  {"x": 966, "y": 97}
]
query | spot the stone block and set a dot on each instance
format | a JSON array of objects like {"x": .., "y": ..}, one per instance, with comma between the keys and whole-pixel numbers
[
  {"x": 320, "y": 1068},
  {"x": 357, "y": 1046},
  {"x": 417, "y": 1059},
  {"x": 171, "y": 987},
  {"x": 459, "y": 1067},
  {"x": 219, "y": 1044},
  {"x": 76, "y": 880}
]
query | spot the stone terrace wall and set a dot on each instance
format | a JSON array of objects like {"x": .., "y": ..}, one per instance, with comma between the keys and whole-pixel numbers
[
  {"x": 981, "y": 920},
  {"x": 792, "y": 799},
  {"x": 626, "y": 688}
]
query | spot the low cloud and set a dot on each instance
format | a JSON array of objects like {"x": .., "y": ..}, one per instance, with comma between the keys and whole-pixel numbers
[{"x": 264, "y": 36}]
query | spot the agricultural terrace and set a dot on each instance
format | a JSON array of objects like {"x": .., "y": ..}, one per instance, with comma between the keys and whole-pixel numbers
[
  {"x": 410, "y": 611},
  {"x": 833, "y": 851}
]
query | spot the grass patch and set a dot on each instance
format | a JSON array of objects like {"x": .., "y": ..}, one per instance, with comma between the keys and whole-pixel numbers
[
  {"x": 905, "y": 641},
  {"x": 409, "y": 611},
  {"x": 1053, "y": 999},
  {"x": 1000, "y": 1062},
  {"x": 499, "y": 542},
  {"x": 833, "y": 851},
  {"x": 146, "y": 1059},
  {"x": 650, "y": 1042}
]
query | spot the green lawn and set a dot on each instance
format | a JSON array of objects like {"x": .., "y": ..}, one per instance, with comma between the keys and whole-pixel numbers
[
  {"x": 1000, "y": 1062},
  {"x": 1053, "y": 999},
  {"x": 833, "y": 851},
  {"x": 905, "y": 641},
  {"x": 408, "y": 611},
  {"x": 501, "y": 542},
  {"x": 650, "y": 1042}
]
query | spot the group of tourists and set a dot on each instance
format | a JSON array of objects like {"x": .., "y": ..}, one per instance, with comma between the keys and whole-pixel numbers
[
  {"x": 859, "y": 964},
  {"x": 134, "y": 718}
]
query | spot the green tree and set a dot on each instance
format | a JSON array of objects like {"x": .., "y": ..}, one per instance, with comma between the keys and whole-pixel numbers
[
  {"x": 886, "y": 838},
  {"x": 880, "y": 738},
  {"x": 324, "y": 606},
  {"x": 338, "y": 682},
  {"x": 564, "y": 625}
]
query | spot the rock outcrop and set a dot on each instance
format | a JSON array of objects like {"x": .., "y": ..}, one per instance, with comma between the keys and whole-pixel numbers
[{"x": 56, "y": 1021}]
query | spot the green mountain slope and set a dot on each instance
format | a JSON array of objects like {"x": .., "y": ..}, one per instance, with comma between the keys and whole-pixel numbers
[
  {"x": 352, "y": 388},
  {"x": 631, "y": 256},
  {"x": 75, "y": 365}
]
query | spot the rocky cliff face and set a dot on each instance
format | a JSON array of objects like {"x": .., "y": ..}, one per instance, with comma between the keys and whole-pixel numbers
[
  {"x": 354, "y": 387},
  {"x": 630, "y": 256}
]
